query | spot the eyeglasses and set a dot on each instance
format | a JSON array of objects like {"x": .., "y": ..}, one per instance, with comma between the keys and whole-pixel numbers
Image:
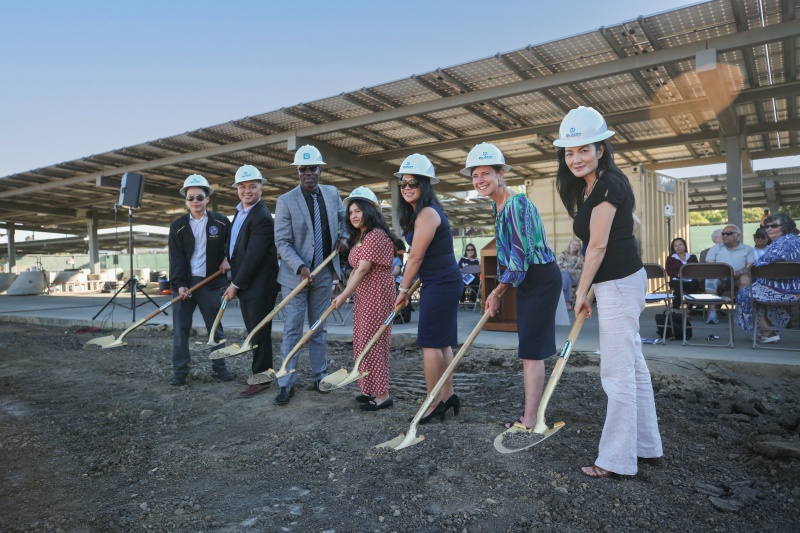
[
  {"x": 303, "y": 170},
  {"x": 772, "y": 226},
  {"x": 470, "y": 249},
  {"x": 759, "y": 236},
  {"x": 199, "y": 198},
  {"x": 729, "y": 233},
  {"x": 410, "y": 183}
]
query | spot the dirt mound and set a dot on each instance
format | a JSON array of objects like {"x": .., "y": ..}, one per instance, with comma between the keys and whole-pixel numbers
[{"x": 98, "y": 441}]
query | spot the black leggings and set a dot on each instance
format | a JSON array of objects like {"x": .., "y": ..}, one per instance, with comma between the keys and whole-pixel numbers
[{"x": 679, "y": 288}]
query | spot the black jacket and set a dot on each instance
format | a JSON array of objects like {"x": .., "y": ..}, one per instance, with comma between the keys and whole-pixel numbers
[
  {"x": 181, "y": 247},
  {"x": 254, "y": 264}
]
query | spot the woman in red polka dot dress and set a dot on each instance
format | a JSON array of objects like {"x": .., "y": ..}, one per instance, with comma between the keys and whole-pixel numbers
[{"x": 371, "y": 245}]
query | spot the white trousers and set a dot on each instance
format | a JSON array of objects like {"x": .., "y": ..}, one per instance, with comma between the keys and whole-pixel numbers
[{"x": 631, "y": 426}]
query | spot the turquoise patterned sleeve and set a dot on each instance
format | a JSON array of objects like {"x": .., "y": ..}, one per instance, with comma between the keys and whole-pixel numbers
[{"x": 521, "y": 240}]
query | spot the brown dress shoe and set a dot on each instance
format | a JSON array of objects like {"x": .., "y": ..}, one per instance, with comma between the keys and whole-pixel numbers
[{"x": 252, "y": 390}]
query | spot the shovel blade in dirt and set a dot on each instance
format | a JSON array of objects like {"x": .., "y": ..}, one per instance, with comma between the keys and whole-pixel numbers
[
  {"x": 404, "y": 440},
  {"x": 200, "y": 347},
  {"x": 538, "y": 438},
  {"x": 230, "y": 351},
  {"x": 109, "y": 341},
  {"x": 340, "y": 378}
]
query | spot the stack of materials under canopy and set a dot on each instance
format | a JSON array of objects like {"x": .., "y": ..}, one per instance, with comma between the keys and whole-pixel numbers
[{"x": 28, "y": 283}]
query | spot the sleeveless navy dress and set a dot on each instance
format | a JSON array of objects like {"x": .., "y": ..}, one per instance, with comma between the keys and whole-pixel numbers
[{"x": 441, "y": 290}]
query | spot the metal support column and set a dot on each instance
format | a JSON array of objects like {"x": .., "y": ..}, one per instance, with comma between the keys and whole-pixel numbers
[
  {"x": 12, "y": 249},
  {"x": 733, "y": 170},
  {"x": 94, "y": 242}
]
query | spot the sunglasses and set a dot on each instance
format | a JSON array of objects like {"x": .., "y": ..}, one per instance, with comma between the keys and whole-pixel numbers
[
  {"x": 303, "y": 170},
  {"x": 199, "y": 198},
  {"x": 410, "y": 183},
  {"x": 772, "y": 226},
  {"x": 470, "y": 249},
  {"x": 729, "y": 233}
]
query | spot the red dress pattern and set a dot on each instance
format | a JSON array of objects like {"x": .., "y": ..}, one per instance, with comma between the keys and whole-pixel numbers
[{"x": 374, "y": 300}]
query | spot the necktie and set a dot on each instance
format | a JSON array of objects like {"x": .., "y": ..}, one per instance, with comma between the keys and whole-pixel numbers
[{"x": 317, "y": 233}]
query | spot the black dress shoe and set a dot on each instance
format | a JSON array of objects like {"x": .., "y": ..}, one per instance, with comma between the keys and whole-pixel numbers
[
  {"x": 364, "y": 398},
  {"x": 222, "y": 374},
  {"x": 178, "y": 381},
  {"x": 284, "y": 395},
  {"x": 439, "y": 411},
  {"x": 372, "y": 406},
  {"x": 453, "y": 402}
]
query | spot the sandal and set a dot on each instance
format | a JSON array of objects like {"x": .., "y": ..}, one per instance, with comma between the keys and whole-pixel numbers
[
  {"x": 517, "y": 424},
  {"x": 596, "y": 472}
]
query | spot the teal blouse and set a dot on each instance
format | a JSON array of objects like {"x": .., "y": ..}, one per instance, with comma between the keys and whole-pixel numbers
[{"x": 521, "y": 239}]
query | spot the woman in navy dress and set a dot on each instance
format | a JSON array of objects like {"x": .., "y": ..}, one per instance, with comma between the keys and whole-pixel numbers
[{"x": 431, "y": 257}]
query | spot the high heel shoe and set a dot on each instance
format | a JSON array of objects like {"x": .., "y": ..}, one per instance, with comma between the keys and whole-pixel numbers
[
  {"x": 439, "y": 411},
  {"x": 453, "y": 402}
]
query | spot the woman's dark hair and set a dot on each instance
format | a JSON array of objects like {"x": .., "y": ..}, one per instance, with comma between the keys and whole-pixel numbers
[
  {"x": 571, "y": 188},
  {"x": 373, "y": 219},
  {"x": 676, "y": 239},
  {"x": 787, "y": 224},
  {"x": 469, "y": 244},
  {"x": 408, "y": 214}
]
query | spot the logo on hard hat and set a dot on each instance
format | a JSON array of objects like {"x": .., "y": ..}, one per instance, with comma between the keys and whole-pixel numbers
[
  {"x": 306, "y": 156},
  {"x": 572, "y": 133},
  {"x": 408, "y": 164},
  {"x": 485, "y": 156}
]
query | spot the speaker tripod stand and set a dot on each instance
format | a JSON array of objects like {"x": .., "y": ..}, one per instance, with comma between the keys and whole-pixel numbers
[{"x": 133, "y": 282}]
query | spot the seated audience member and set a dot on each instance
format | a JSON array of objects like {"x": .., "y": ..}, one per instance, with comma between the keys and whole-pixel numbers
[
  {"x": 762, "y": 241},
  {"x": 680, "y": 256},
  {"x": 570, "y": 262},
  {"x": 469, "y": 264},
  {"x": 716, "y": 238},
  {"x": 739, "y": 256},
  {"x": 772, "y": 320}
]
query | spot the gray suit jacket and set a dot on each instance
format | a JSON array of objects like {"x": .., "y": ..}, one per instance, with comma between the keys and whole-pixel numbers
[{"x": 294, "y": 231}]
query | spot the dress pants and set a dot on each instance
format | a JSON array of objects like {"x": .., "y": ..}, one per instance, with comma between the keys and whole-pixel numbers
[
  {"x": 208, "y": 300},
  {"x": 312, "y": 301},
  {"x": 631, "y": 426},
  {"x": 253, "y": 312}
]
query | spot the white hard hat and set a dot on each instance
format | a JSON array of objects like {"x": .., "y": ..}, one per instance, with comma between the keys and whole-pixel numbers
[
  {"x": 484, "y": 154},
  {"x": 196, "y": 180},
  {"x": 418, "y": 165},
  {"x": 307, "y": 156},
  {"x": 247, "y": 173},
  {"x": 361, "y": 193},
  {"x": 584, "y": 125}
]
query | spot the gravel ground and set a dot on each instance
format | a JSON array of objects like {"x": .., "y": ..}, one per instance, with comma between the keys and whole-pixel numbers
[{"x": 98, "y": 441}]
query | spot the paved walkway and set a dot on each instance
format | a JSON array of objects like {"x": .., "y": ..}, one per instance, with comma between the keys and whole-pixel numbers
[{"x": 72, "y": 311}]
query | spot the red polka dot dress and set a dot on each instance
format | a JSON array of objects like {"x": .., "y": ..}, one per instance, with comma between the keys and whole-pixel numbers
[{"x": 374, "y": 300}]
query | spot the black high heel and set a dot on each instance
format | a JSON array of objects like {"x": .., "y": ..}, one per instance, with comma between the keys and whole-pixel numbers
[
  {"x": 453, "y": 402},
  {"x": 439, "y": 411}
]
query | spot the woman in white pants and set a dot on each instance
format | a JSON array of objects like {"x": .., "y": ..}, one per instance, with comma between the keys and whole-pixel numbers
[{"x": 599, "y": 199}]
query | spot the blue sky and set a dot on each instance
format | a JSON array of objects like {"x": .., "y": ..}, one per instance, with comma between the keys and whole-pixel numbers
[{"x": 84, "y": 77}]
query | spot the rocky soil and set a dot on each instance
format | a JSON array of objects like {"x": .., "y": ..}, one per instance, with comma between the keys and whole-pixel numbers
[{"x": 98, "y": 441}]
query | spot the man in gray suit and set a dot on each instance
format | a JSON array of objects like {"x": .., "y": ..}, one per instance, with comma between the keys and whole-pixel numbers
[{"x": 309, "y": 225}]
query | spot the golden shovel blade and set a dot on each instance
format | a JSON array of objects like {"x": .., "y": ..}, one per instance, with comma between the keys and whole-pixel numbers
[
  {"x": 402, "y": 441},
  {"x": 517, "y": 429},
  {"x": 109, "y": 341},
  {"x": 200, "y": 347},
  {"x": 230, "y": 351},
  {"x": 339, "y": 379}
]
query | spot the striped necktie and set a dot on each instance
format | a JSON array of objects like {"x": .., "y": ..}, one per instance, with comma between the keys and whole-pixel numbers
[{"x": 317, "y": 233}]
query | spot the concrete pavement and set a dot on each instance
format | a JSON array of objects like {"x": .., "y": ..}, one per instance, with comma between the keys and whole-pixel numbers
[{"x": 71, "y": 310}]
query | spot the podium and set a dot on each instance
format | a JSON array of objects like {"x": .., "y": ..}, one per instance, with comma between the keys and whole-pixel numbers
[{"x": 506, "y": 318}]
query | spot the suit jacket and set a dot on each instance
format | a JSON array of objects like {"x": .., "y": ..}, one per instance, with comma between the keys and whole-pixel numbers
[
  {"x": 294, "y": 231},
  {"x": 254, "y": 263},
  {"x": 181, "y": 248}
]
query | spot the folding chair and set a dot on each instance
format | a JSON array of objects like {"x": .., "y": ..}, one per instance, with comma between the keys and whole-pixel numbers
[
  {"x": 474, "y": 270},
  {"x": 776, "y": 271},
  {"x": 656, "y": 272},
  {"x": 704, "y": 271}
]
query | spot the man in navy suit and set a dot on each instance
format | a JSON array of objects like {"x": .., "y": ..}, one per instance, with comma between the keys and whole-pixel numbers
[
  {"x": 254, "y": 267},
  {"x": 309, "y": 225}
]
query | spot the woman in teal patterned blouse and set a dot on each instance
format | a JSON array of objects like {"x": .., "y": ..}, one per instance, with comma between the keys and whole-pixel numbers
[{"x": 524, "y": 261}]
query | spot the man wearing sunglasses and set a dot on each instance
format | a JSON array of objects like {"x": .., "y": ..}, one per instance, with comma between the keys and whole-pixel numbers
[
  {"x": 196, "y": 250},
  {"x": 309, "y": 225},
  {"x": 738, "y": 255}
]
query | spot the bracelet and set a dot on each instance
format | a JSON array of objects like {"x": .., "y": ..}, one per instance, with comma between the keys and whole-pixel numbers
[{"x": 401, "y": 289}]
